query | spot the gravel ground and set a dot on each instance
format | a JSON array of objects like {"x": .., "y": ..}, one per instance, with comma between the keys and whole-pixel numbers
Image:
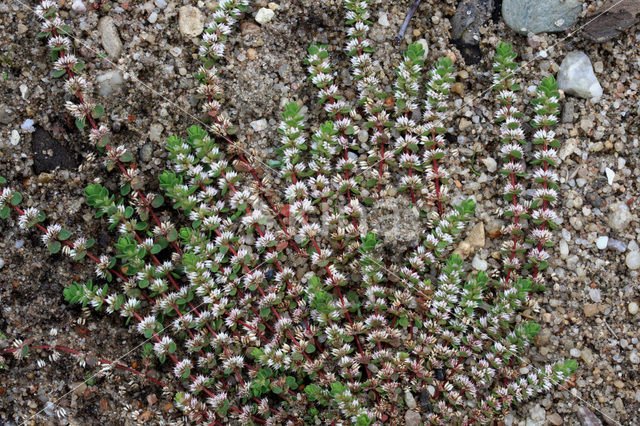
[{"x": 585, "y": 313}]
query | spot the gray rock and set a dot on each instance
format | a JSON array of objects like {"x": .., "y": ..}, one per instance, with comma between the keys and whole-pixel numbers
[
  {"x": 537, "y": 416},
  {"x": 409, "y": 399},
  {"x": 146, "y": 152},
  {"x": 576, "y": 76},
  {"x": 109, "y": 83},
  {"x": 411, "y": 418},
  {"x": 109, "y": 35},
  {"x": 587, "y": 417},
  {"x": 540, "y": 16},
  {"x": 155, "y": 132},
  {"x": 567, "y": 112},
  {"x": 190, "y": 21},
  {"x": 6, "y": 115}
]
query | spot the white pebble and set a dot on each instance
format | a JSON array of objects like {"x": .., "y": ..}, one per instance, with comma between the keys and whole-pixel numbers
[
  {"x": 595, "y": 295},
  {"x": 479, "y": 264},
  {"x": 610, "y": 175},
  {"x": 1, "y": 262},
  {"x": 633, "y": 308},
  {"x": 383, "y": 20},
  {"x": 264, "y": 15},
  {"x": 153, "y": 18},
  {"x": 27, "y": 126},
  {"x": 490, "y": 164},
  {"x": 259, "y": 125},
  {"x": 601, "y": 242},
  {"x": 574, "y": 352},
  {"x": 564, "y": 249},
  {"x": 633, "y": 260},
  {"x": 15, "y": 137},
  {"x": 78, "y": 6}
]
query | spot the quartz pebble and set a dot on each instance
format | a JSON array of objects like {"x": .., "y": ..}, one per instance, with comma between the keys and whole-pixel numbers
[
  {"x": 259, "y": 125},
  {"x": 601, "y": 242},
  {"x": 479, "y": 264},
  {"x": 576, "y": 76},
  {"x": 632, "y": 308},
  {"x": 383, "y": 20},
  {"x": 633, "y": 260},
  {"x": 264, "y": 15},
  {"x": 620, "y": 216}
]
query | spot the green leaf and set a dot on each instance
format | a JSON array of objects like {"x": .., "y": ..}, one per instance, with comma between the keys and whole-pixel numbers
[
  {"x": 310, "y": 348},
  {"x": 16, "y": 198},
  {"x": 63, "y": 235},
  {"x": 58, "y": 73},
  {"x": 172, "y": 347},
  {"x": 54, "y": 246},
  {"x": 80, "y": 123},
  {"x": 98, "y": 110},
  {"x": 4, "y": 212},
  {"x": 79, "y": 66}
]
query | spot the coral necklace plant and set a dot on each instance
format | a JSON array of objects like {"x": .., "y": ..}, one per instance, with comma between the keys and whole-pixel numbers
[{"x": 248, "y": 339}]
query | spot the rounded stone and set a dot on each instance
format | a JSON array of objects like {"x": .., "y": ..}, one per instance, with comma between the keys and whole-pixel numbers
[
  {"x": 633, "y": 260},
  {"x": 264, "y": 15},
  {"x": 540, "y": 16},
  {"x": 109, "y": 35},
  {"x": 190, "y": 21},
  {"x": 632, "y": 308}
]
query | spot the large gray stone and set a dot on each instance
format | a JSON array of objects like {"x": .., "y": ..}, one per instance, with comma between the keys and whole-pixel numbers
[
  {"x": 540, "y": 16},
  {"x": 109, "y": 35},
  {"x": 576, "y": 76}
]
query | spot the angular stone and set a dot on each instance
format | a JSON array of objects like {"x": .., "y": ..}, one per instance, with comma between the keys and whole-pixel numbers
[
  {"x": 540, "y": 16},
  {"x": 613, "y": 17},
  {"x": 110, "y": 39},
  {"x": 474, "y": 240},
  {"x": 576, "y": 76}
]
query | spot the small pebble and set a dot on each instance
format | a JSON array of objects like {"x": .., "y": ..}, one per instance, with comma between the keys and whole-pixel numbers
[
  {"x": 601, "y": 242},
  {"x": 479, "y": 264},
  {"x": 264, "y": 15},
  {"x": 633, "y": 260},
  {"x": 383, "y": 20},
  {"x": 590, "y": 309},
  {"x": 632, "y": 308},
  {"x": 153, "y": 18},
  {"x": 259, "y": 125},
  {"x": 490, "y": 164}
]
